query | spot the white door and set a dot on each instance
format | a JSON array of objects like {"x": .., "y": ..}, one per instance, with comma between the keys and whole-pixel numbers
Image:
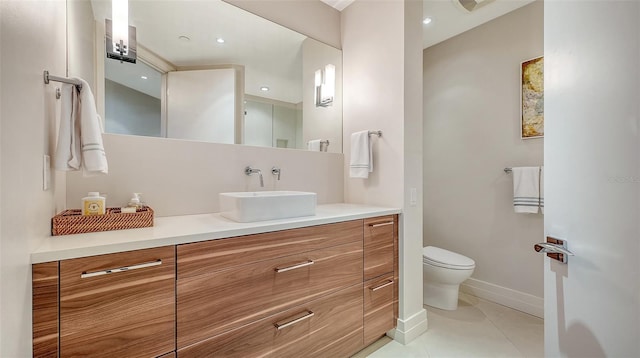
[{"x": 592, "y": 181}]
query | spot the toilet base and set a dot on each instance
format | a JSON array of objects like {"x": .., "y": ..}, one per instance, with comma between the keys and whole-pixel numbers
[{"x": 441, "y": 295}]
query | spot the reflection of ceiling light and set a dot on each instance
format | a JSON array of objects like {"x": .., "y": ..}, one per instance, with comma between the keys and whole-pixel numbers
[
  {"x": 220, "y": 40},
  {"x": 184, "y": 38},
  {"x": 426, "y": 20},
  {"x": 264, "y": 88},
  {"x": 143, "y": 77}
]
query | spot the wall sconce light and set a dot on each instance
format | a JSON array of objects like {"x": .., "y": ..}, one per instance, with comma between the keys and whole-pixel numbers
[
  {"x": 325, "y": 82},
  {"x": 121, "y": 38}
]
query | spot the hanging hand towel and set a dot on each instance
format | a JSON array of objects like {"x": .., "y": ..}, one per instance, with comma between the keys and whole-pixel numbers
[
  {"x": 361, "y": 163},
  {"x": 526, "y": 189},
  {"x": 68, "y": 154},
  {"x": 80, "y": 135},
  {"x": 542, "y": 190},
  {"x": 94, "y": 160},
  {"x": 314, "y": 145}
]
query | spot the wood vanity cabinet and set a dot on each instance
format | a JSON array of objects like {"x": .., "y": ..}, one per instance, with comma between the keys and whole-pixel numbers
[
  {"x": 225, "y": 284},
  {"x": 381, "y": 276},
  {"x": 45, "y": 309},
  {"x": 118, "y": 305},
  {"x": 319, "y": 291},
  {"x": 330, "y": 326}
]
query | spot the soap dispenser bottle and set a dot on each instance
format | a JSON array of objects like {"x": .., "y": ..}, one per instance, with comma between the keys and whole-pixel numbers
[
  {"x": 135, "y": 202},
  {"x": 93, "y": 204}
]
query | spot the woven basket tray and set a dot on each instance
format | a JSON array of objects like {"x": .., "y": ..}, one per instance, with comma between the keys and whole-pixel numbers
[{"x": 73, "y": 222}]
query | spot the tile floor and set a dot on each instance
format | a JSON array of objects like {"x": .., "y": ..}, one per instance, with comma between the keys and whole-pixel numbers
[{"x": 478, "y": 328}]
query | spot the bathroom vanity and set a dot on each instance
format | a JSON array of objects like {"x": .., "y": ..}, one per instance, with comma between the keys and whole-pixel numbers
[{"x": 321, "y": 286}]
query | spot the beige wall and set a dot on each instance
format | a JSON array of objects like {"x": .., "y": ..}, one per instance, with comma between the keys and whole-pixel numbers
[
  {"x": 382, "y": 43},
  {"x": 310, "y": 17},
  {"x": 179, "y": 177},
  {"x": 32, "y": 40},
  {"x": 471, "y": 132}
]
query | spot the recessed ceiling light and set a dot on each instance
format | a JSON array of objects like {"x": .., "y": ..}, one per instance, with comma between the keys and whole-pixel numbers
[
  {"x": 427, "y": 20},
  {"x": 220, "y": 40},
  {"x": 184, "y": 38},
  {"x": 264, "y": 88},
  {"x": 143, "y": 77}
]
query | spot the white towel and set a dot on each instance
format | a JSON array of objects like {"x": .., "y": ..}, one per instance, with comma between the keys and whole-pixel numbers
[
  {"x": 314, "y": 145},
  {"x": 68, "y": 155},
  {"x": 94, "y": 159},
  {"x": 526, "y": 189},
  {"x": 542, "y": 190},
  {"x": 361, "y": 162},
  {"x": 80, "y": 136}
]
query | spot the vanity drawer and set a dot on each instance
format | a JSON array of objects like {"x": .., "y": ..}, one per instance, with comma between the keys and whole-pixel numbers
[
  {"x": 45, "y": 309},
  {"x": 205, "y": 257},
  {"x": 379, "y": 246},
  {"x": 129, "y": 312},
  {"x": 222, "y": 300},
  {"x": 379, "y": 315},
  {"x": 327, "y": 327}
]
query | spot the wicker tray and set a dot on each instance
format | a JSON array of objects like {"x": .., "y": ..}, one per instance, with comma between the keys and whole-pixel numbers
[{"x": 73, "y": 222}]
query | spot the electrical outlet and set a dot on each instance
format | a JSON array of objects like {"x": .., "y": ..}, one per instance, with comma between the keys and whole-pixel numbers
[
  {"x": 46, "y": 172},
  {"x": 413, "y": 196}
]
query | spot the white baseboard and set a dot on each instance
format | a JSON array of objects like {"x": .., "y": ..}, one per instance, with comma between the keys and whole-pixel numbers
[
  {"x": 517, "y": 300},
  {"x": 411, "y": 328}
]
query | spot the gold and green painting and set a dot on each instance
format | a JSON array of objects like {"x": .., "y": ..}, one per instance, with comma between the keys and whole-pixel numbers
[{"x": 532, "y": 79}]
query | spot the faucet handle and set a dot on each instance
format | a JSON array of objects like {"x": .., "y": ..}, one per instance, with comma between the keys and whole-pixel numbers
[{"x": 276, "y": 171}]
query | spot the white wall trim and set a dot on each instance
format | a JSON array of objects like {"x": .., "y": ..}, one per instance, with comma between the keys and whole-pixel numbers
[
  {"x": 411, "y": 328},
  {"x": 517, "y": 300}
]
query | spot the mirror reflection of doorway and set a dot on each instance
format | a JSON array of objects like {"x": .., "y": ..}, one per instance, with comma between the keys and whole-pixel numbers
[
  {"x": 270, "y": 124},
  {"x": 133, "y": 103}
]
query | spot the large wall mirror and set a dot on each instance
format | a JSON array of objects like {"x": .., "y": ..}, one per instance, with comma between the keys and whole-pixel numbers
[{"x": 209, "y": 71}]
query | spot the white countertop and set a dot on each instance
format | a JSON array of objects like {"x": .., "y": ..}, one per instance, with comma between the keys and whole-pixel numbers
[{"x": 173, "y": 230}]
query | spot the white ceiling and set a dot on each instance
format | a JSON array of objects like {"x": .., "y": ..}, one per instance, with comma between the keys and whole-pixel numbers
[
  {"x": 338, "y": 4},
  {"x": 449, "y": 18}
]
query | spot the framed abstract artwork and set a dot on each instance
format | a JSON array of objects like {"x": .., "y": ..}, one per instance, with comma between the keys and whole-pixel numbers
[{"x": 532, "y": 98}]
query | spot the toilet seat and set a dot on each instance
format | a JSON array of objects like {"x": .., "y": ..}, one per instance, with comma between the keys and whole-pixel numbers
[{"x": 443, "y": 258}]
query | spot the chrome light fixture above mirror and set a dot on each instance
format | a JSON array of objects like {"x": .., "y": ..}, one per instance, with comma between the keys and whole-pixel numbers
[
  {"x": 325, "y": 81},
  {"x": 121, "y": 38}
]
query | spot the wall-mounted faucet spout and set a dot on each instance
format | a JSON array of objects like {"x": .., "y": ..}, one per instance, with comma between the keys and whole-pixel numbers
[{"x": 249, "y": 171}]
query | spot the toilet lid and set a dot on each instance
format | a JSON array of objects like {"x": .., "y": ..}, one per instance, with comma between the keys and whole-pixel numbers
[{"x": 445, "y": 258}]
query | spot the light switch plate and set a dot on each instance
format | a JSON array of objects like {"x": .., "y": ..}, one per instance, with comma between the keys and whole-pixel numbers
[
  {"x": 46, "y": 172},
  {"x": 413, "y": 196}
]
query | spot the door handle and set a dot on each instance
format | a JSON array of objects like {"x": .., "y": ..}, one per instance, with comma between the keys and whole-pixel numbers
[{"x": 554, "y": 248}]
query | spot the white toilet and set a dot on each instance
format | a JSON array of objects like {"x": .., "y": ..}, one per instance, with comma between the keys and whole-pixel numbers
[{"x": 443, "y": 272}]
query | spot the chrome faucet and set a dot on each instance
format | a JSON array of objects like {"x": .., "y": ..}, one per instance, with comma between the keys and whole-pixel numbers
[
  {"x": 249, "y": 171},
  {"x": 276, "y": 171}
]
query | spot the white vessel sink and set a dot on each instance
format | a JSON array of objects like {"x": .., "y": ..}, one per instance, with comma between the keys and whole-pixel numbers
[{"x": 266, "y": 205}]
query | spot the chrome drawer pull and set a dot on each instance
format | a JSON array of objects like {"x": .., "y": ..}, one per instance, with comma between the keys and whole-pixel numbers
[
  {"x": 121, "y": 269},
  {"x": 381, "y": 224},
  {"x": 296, "y": 266},
  {"x": 285, "y": 325},
  {"x": 389, "y": 282}
]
